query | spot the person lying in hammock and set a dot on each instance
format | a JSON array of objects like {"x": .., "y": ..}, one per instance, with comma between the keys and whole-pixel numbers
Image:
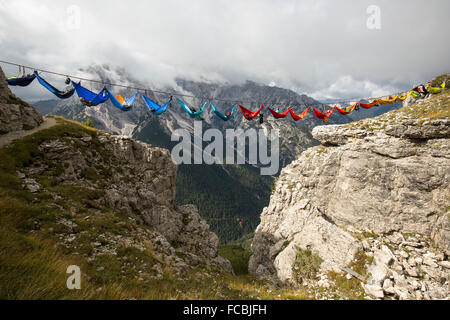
[
  {"x": 228, "y": 115},
  {"x": 152, "y": 109},
  {"x": 194, "y": 111},
  {"x": 421, "y": 89},
  {"x": 69, "y": 86},
  {"x": 87, "y": 103}
]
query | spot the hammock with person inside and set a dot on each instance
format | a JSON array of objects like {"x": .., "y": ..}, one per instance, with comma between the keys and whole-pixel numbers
[
  {"x": 324, "y": 115},
  {"x": 279, "y": 115},
  {"x": 59, "y": 93},
  {"x": 191, "y": 111},
  {"x": 22, "y": 80},
  {"x": 221, "y": 115},
  {"x": 121, "y": 103},
  {"x": 154, "y": 107},
  {"x": 90, "y": 98},
  {"x": 249, "y": 115},
  {"x": 297, "y": 117},
  {"x": 347, "y": 110}
]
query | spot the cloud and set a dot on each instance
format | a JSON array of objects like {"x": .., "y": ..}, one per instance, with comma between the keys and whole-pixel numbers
[
  {"x": 312, "y": 45},
  {"x": 348, "y": 88}
]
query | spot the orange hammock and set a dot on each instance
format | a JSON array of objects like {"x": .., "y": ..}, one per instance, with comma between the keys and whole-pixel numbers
[
  {"x": 347, "y": 110},
  {"x": 297, "y": 117},
  {"x": 368, "y": 105},
  {"x": 278, "y": 115},
  {"x": 385, "y": 102},
  {"x": 323, "y": 115}
]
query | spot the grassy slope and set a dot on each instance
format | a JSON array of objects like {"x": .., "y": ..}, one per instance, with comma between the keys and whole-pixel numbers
[
  {"x": 436, "y": 107},
  {"x": 238, "y": 252},
  {"x": 33, "y": 261}
]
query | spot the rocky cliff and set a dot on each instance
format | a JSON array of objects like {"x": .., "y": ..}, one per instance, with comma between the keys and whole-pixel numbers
[
  {"x": 374, "y": 197},
  {"x": 116, "y": 174},
  {"x": 129, "y": 178},
  {"x": 15, "y": 114},
  {"x": 72, "y": 194}
]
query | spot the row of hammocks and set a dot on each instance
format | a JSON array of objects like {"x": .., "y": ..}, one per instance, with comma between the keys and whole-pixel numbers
[
  {"x": 415, "y": 93},
  {"x": 26, "y": 80},
  {"x": 91, "y": 99},
  {"x": 86, "y": 96}
]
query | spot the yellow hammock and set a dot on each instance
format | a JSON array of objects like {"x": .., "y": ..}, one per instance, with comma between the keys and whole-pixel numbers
[
  {"x": 384, "y": 102},
  {"x": 436, "y": 90},
  {"x": 402, "y": 98},
  {"x": 414, "y": 94}
]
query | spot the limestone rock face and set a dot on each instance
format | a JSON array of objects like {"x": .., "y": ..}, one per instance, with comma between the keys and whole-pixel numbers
[
  {"x": 15, "y": 114},
  {"x": 381, "y": 183},
  {"x": 381, "y": 176}
]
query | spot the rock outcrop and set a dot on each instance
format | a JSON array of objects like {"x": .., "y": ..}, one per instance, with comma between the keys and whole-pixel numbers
[
  {"x": 15, "y": 114},
  {"x": 128, "y": 178},
  {"x": 116, "y": 174},
  {"x": 367, "y": 181}
]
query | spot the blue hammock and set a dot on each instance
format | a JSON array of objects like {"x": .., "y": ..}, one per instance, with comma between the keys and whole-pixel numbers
[
  {"x": 22, "y": 82},
  {"x": 190, "y": 112},
  {"x": 60, "y": 94},
  {"x": 154, "y": 107},
  {"x": 92, "y": 98},
  {"x": 121, "y": 103},
  {"x": 222, "y": 116}
]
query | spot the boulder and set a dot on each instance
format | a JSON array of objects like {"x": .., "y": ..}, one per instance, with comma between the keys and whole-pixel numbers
[{"x": 15, "y": 114}]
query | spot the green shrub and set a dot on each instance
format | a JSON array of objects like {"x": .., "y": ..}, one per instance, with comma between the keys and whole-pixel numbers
[
  {"x": 89, "y": 123},
  {"x": 306, "y": 265}
]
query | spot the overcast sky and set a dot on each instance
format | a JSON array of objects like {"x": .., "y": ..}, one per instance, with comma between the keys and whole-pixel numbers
[{"x": 322, "y": 48}]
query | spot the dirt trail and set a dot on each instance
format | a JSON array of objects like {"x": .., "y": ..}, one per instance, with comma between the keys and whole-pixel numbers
[{"x": 14, "y": 135}]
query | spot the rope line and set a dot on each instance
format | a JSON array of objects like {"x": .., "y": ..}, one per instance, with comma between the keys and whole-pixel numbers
[{"x": 342, "y": 102}]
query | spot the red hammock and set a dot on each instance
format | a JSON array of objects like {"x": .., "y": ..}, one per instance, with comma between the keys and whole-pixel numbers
[
  {"x": 346, "y": 110},
  {"x": 278, "y": 115},
  {"x": 368, "y": 105},
  {"x": 323, "y": 115},
  {"x": 297, "y": 117},
  {"x": 248, "y": 114}
]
